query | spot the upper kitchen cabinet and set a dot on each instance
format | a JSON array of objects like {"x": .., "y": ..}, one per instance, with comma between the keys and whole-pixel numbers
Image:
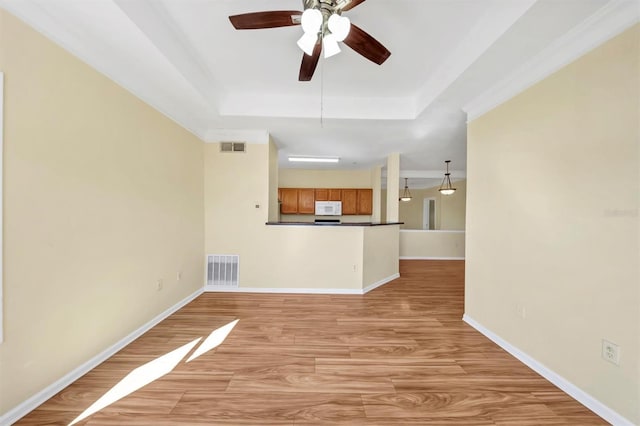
[
  {"x": 288, "y": 200},
  {"x": 306, "y": 201},
  {"x": 365, "y": 201},
  {"x": 349, "y": 201},
  {"x": 328, "y": 194},
  {"x": 334, "y": 194},
  {"x": 322, "y": 195}
]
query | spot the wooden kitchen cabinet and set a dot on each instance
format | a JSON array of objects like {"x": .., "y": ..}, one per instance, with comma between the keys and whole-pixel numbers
[
  {"x": 303, "y": 200},
  {"x": 322, "y": 195},
  {"x": 335, "y": 194},
  {"x": 289, "y": 200},
  {"x": 328, "y": 194},
  {"x": 349, "y": 201},
  {"x": 306, "y": 201},
  {"x": 365, "y": 201}
]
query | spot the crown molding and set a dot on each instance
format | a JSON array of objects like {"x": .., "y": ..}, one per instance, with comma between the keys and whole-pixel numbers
[
  {"x": 611, "y": 20},
  {"x": 258, "y": 137},
  {"x": 490, "y": 27}
]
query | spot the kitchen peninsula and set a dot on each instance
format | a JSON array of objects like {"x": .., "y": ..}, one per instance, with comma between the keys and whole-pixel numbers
[
  {"x": 334, "y": 223},
  {"x": 343, "y": 258}
]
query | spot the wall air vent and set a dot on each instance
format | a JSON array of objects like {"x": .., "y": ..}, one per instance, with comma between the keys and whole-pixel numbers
[
  {"x": 233, "y": 147},
  {"x": 222, "y": 270}
]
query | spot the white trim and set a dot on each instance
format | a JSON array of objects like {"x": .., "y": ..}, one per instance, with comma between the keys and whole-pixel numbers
[
  {"x": 435, "y": 231},
  {"x": 38, "y": 399},
  {"x": 380, "y": 283},
  {"x": 276, "y": 290},
  {"x": 1, "y": 208},
  {"x": 491, "y": 26},
  {"x": 430, "y": 258},
  {"x": 283, "y": 290},
  {"x": 612, "y": 19},
  {"x": 572, "y": 390}
]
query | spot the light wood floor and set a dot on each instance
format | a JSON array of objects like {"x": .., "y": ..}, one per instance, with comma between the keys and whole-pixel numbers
[{"x": 399, "y": 355}]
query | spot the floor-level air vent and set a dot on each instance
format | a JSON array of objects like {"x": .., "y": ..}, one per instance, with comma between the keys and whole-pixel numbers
[
  {"x": 233, "y": 147},
  {"x": 222, "y": 270}
]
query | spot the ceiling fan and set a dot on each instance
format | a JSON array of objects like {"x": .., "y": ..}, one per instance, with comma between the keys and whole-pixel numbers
[{"x": 323, "y": 25}]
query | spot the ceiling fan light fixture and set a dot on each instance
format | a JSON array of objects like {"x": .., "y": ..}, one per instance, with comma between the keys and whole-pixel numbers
[
  {"x": 339, "y": 26},
  {"x": 330, "y": 46},
  {"x": 311, "y": 21},
  {"x": 307, "y": 43},
  {"x": 445, "y": 187}
]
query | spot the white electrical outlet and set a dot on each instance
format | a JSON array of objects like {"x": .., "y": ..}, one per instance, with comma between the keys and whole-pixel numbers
[
  {"x": 178, "y": 275},
  {"x": 610, "y": 352},
  {"x": 159, "y": 284},
  {"x": 522, "y": 311}
]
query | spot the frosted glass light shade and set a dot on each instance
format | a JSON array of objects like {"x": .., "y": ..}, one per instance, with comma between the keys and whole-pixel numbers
[
  {"x": 311, "y": 21},
  {"x": 330, "y": 46},
  {"x": 339, "y": 26},
  {"x": 447, "y": 191},
  {"x": 307, "y": 43}
]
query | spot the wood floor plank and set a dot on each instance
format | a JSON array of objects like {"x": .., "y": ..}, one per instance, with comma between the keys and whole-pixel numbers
[
  {"x": 445, "y": 404},
  {"x": 309, "y": 383},
  {"x": 271, "y": 406},
  {"x": 399, "y": 355}
]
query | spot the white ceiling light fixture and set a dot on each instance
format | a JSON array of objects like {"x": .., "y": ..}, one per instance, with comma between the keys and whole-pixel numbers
[
  {"x": 445, "y": 187},
  {"x": 339, "y": 26},
  {"x": 311, "y": 22},
  {"x": 314, "y": 159},
  {"x": 330, "y": 46},
  {"x": 324, "y": 20}
]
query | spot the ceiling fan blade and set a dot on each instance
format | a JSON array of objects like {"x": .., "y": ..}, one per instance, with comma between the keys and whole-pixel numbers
[
  {"x": 270, "y": 19},
  {"x": 353, "y": 4},
  {"x": 309, "y": 63},
  {"x": 366, "y": 45}
]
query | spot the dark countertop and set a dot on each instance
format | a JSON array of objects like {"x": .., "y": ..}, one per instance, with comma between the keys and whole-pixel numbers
[{"x": 334, "y": 224}]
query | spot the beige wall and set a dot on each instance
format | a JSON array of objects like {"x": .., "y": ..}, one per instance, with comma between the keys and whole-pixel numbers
[
  {"x": 381, "y": 249},
  {"x": 308, "y": 178},
  {"x": 103, "y": 197},
  {"x": 553, "y": 226},
  {"x": 450, "y": 209},
  {"x": 415, "y": 244}
]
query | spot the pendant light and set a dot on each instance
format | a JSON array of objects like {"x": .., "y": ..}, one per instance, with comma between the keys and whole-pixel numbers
[
  {"x": 445, "y": 186},
  {"x": 406, "y": 195}
]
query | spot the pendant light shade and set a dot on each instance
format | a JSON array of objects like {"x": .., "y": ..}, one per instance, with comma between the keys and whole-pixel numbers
[
  {"x": 406, "y": 195},
  {"x": 445, "y": 187},
  {"x": 308, "y": 42},
  {"x": 330, "y": 46}
]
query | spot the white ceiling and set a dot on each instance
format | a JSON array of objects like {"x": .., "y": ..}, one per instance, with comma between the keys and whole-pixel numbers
[{"x": 449, "y": 58}]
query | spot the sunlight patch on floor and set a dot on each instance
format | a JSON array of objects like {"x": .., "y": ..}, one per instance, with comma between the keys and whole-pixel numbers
[
  {"x": 214, "y": 340},
  {"x": 138, "y": 378}
]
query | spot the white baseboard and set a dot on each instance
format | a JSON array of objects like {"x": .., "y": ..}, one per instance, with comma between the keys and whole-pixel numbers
[
  {"x": 280, "y": 290},
  {"x": 382, "y": 282},
  {"x": 572, "y": 390},
  {"x": 38, "y": 399},
  {"x": 429, "y": 258}
]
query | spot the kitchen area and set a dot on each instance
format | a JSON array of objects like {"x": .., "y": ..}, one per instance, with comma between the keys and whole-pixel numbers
[{"x": 266, "y": 216}]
